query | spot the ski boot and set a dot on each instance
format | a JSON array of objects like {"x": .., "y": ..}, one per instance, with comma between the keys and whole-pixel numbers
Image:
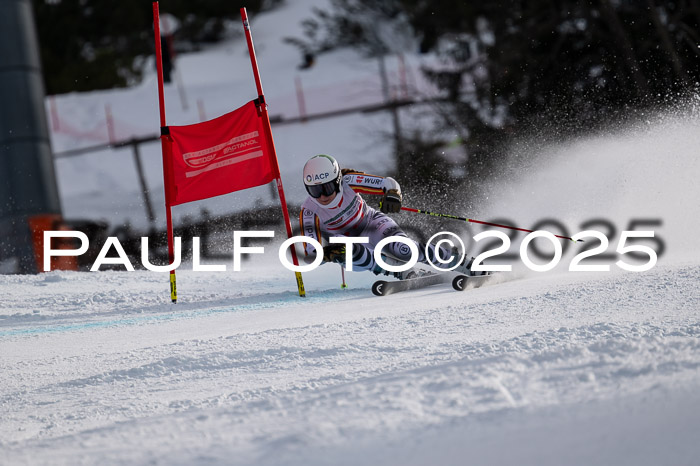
[
  {"x": 465, "y": 268},
  {"x": 405, "y": 275}
]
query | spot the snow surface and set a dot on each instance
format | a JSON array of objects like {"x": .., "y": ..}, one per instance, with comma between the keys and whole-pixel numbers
[
  {"x": 551, "y": 369},
  {"x": 536, "y": 369}
]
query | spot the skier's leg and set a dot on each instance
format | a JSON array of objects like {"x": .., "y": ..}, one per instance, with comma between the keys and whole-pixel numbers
[
  {"x": 362, "y": 258},
  {"x": 381, "y": 226},
  {"x": 396, "y": 253}
]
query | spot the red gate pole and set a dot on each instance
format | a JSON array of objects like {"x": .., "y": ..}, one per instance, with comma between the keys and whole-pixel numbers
[
  {"x": 110, "y": 124},
  {"x": 54, "y": 114},
  {"x": 262, "y": 106},
  {"x": 165, "y": 147}
]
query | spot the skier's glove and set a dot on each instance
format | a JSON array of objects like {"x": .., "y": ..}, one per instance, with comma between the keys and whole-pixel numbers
[
  {"x": 334, "y": 253},
  {"x": 391, "y": 202}
]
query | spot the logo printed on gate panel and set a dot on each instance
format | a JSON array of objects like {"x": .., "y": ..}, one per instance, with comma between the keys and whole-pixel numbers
[
  {"x": 204, "y": 157},
  {"x": 221, "y": 154}
]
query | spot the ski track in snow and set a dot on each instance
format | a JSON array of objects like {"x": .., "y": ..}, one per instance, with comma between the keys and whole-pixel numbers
[{"x": 205, "y": 382}]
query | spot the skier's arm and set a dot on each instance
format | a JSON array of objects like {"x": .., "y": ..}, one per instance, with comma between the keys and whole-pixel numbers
[
  {"x": 371, "y": 184},
  {"x": 310, "y": 226},
  {"x": 364, "y": 183}
]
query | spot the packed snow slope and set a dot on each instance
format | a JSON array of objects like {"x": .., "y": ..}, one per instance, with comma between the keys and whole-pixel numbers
[{"x": 555, "y": 369}]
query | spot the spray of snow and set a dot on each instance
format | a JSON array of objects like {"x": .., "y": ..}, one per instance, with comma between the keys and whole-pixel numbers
[{"x": 646, "y": 170}]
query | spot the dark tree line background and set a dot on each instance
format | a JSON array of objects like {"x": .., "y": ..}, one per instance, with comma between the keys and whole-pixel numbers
[
  {"x": 523, "y": 68},
  {"x": 100, "y": 44}
]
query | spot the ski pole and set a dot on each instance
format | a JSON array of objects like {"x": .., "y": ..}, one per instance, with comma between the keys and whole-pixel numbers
[
  {"x": 471, "y": 220},
  {"x": 344, "y": 285}
]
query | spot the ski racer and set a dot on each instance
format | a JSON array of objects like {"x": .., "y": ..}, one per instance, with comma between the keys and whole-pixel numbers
[{"x": 334, "y": 208}]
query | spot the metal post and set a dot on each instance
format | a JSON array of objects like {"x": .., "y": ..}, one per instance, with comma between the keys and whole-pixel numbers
[
  {"x": 388, "y": 99},
  {"x": 144, "y": 187},
  {"x": 300, "y": 99},
  {"x": 27, "y": 179}
]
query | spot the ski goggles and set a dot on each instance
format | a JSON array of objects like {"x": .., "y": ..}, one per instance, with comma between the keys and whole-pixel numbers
[{"x": 325, "y": 189}]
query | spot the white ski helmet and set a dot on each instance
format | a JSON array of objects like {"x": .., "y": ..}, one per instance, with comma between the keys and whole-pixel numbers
[{"x": 322, "y": 176}]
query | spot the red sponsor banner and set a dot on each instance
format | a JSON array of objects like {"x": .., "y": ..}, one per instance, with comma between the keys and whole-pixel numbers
[{"x": 219, "y": 156}]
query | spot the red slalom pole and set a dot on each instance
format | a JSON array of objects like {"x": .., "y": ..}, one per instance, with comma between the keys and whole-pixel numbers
[
  {"x": 262, "y": 106},
  {"x": 471, "y": 220},
  {"x": 165, "y": 147}
]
